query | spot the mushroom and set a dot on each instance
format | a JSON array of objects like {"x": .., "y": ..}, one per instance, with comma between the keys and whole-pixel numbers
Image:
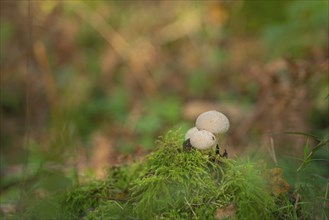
[
  {"x": 213, "y": 121},
  {"x": 203, "y": 140},
  {"x": 190, "y": 132}
]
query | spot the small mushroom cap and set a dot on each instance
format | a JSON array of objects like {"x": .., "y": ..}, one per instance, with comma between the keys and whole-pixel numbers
[
  {"x": 190, "y": 132},
  {"x": 203, "y": 140},
  {"x": 213, "y": 121}
]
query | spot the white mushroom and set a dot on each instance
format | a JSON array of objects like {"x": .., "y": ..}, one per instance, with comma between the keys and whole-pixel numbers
[
  {"x": 190, "y": 132},
  {"x": 213, "y": 121},
  {"x": 203, "y": 140}
]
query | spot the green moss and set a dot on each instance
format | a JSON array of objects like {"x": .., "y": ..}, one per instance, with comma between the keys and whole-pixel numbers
[
  {"x": 174, "y": 184},
  {"x": 243, "y": 182},
  {"x": 171, "y": 180},
  {"x": 111, "y": 209},
  {"x": 121, "y": 177},
  {"x": 86, "y": 197}
]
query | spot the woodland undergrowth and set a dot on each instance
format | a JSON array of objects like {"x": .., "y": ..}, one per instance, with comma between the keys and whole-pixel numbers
[{"x": 171, "y": 183}]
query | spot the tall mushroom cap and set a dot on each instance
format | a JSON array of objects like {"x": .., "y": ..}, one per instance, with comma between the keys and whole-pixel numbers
[
  {"x": 213, "y": 121},
  {"x": 190, "y": 132},
  {"x": 203, "y": 140}
]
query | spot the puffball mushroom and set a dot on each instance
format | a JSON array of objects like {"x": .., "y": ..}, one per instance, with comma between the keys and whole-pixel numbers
[
  {"x": 203, "y": 140},
  {"x": 209, "y": 125},
  {"x": 213, "y": 121},
  {"x": 190, "y": 132}
]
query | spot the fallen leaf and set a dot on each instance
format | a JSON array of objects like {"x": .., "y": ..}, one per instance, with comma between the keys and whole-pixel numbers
[{"x": 226, "y": 212}]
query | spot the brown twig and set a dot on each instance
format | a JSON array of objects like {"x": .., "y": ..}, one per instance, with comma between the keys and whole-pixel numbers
[
  {"x": 121, "y": 46},
  {"x": 271, "y": 149}
]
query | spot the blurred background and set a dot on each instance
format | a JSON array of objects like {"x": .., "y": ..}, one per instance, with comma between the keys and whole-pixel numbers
[{"x": 88, "y": 84}]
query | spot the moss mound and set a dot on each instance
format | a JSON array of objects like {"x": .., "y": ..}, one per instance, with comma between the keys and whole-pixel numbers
[
  {"x": 173, "y": 184},
  {"x": 173, "y": 180}
]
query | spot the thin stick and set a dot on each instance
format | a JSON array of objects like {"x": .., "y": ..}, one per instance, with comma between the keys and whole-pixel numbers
[
  {"x": 326, "y": 195},
  {"x": 119, "y": 44},
  {"x": 271, "y": 149},
  {"x": 191, "y": 208},
  {"x": 297, "y": 200},
  {"x": 27, "y": 109}
]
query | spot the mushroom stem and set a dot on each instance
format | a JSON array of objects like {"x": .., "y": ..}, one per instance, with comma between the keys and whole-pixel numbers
[
  {"x": 187, "y": 145},
  {"x": 217, "y": 150},
  {"x": 225, "y": 154}
]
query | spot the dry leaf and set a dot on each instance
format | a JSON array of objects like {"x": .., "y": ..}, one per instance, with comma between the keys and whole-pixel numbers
[{"x": 226, "y": 212}]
